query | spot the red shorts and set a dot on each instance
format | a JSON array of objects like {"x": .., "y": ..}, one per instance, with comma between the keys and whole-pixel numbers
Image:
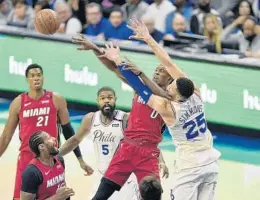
[
  {"x": 24, "y": 159},
  {"x": 142, "y": 161}
]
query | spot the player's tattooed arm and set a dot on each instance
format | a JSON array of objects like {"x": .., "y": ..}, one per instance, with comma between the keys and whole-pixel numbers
[
  {"x": 142, "y": 33},
  {"x": 75, "y": 140},
  {"x": 10, "y": 125}
]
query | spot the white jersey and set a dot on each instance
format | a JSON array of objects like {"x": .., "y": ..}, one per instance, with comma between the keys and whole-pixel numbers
[
  {"x": 106, "y": 138},
  {"x": 191, "y": 136}
]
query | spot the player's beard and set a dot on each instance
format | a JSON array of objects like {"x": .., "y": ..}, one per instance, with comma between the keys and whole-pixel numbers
[
  {"x": 54, "y": 151},
  {"x": 108, "y": 110}
]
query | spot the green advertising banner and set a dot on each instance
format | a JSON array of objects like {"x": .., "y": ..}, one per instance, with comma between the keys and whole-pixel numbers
[{"x": 231, "y": 94}]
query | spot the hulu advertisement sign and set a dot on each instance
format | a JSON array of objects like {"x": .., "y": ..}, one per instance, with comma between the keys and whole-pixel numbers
[{"x": 231, "y": 94}]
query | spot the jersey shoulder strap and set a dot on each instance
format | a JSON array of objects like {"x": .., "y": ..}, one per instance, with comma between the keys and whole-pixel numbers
[{"x": 119, "y": 115}]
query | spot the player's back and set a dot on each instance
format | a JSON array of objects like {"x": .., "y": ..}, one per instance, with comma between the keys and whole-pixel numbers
[
  {"x": 52, "y": 177},
  {"x": 36, "y": 115},
  {"x": 191, "y": 136},
  {"x": 144, "y": 123},
  {"x": 106, "y": 138}
]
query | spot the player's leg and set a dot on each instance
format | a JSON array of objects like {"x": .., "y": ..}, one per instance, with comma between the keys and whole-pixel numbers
[
  {"x": 117, "y": 173},
  {"x": 206, "y": 189},
  {"x": 146, "y": 163},
  {"x": 130, "y": 190},
  {"x": 185, "y": 183},
  {"x": 97, "y": 176}
]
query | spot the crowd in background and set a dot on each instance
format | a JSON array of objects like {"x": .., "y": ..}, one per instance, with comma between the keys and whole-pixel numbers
[{"x": 221, "y": 22}]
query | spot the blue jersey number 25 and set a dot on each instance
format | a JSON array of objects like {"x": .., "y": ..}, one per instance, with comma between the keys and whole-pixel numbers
[
  {"x": 199, "y": 124},
  {"x": 105, "y": 149}
]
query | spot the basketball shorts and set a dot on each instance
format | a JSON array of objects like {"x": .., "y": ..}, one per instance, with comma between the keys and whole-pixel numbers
[
  {"x": 195, "y": 183},
  {"x": 129, "y": 158},
  {"x": 24, "y": 159},
  {"x": 129, "y": 191}
]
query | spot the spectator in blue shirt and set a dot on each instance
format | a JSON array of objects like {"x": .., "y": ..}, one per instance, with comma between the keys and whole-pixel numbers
[
  {"x": 183, "y": 7},
  {"x": 179, "y": 25},
  {"x": 118, "y": 28},
  {"x": 96, "y": 22}
]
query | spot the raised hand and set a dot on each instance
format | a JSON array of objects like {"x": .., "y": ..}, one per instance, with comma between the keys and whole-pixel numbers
[
  {"x": 140, "y": 30},
  {"x": 112, "y": 53},
  {"x": 132, "y": 67},
  {"x": 80, "y": 39}
]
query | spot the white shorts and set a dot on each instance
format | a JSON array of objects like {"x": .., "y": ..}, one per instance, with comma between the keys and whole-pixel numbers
[
  {"x": 195, "y": 183},
  {"x": 129, "y": 191}
]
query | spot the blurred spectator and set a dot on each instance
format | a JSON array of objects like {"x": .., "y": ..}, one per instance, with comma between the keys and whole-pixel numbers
[
  {"x": 179, "y": 25},
  {"x": 21, "y": 15},
  {"x": 96, "y": 22},
  {"x": 157, "y": 35},
  {"x": 196, "y": 22},
  {"x": 5, "y": 8},
  {"x": 256, "y": 9},
  {"x": 158, "y": 11},
  {"x": 244, "y": 8},
  {"x": 117, "y": 28},
  {"x": 39, "y": 5},
  {"x": 134, "y": 9},
  {"x": 184, "y": 8},
  {"x": 223, "y": 6},
  {"x": 248, "y": 39},
  {"x": 213, "y": 31},
  {"x": 69, "y": 25},
  {"x": 78, "y": 10}
]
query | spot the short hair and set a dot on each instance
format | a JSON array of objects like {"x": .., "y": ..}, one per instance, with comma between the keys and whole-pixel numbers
[
  {"x": 94, "y": 5},
  {"x": 105, "y": 88},
  {"x": 15, "y": 2},
  {"x": 117, "y": 9},
  {"x": 185, "y": 87},
  {"x": 32, "y": 66},
  {"x": 35, "y": 141},
  {"x": 150, "y": 188}
]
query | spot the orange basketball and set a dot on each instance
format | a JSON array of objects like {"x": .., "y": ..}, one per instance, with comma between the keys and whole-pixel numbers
[{"x": 46, "y": 22}]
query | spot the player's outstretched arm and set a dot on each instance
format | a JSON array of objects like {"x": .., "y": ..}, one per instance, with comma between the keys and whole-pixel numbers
[
  {"x": 75, "y": 140},
  {"x": 142, "y": 33},
  {"x": 64, "y": 119},
  {"x": 88, "y": 45},
  {"x": 10, "y": 125},
  {"x": 67, "y": 129}
]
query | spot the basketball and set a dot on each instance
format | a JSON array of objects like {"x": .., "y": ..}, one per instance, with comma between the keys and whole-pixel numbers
[{"x": 46, "y": 22}]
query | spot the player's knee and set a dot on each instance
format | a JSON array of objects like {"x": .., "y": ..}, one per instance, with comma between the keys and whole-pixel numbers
[
  {"x": 150, "y": 188},
  {"x": 106, "y": 189}
]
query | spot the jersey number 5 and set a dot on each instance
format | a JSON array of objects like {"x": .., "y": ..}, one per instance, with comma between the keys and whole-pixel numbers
[
  {"x": 199, "y": 124},
  {"x": 105, "y": 149},
  {"x": 42, "y": 121}
]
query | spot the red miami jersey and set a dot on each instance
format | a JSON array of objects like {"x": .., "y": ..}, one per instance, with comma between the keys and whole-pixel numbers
[
  {"x": 53, "y": 178},
  {"x": 36, "y": 115},
  {"x": 144, "y": 123}
]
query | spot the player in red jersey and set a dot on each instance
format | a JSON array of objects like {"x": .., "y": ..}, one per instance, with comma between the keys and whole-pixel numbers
[
  {"x": 44, "y": 177},
  {"x": 36, "y": 110},
  {"x": 138, "y": 152}
]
